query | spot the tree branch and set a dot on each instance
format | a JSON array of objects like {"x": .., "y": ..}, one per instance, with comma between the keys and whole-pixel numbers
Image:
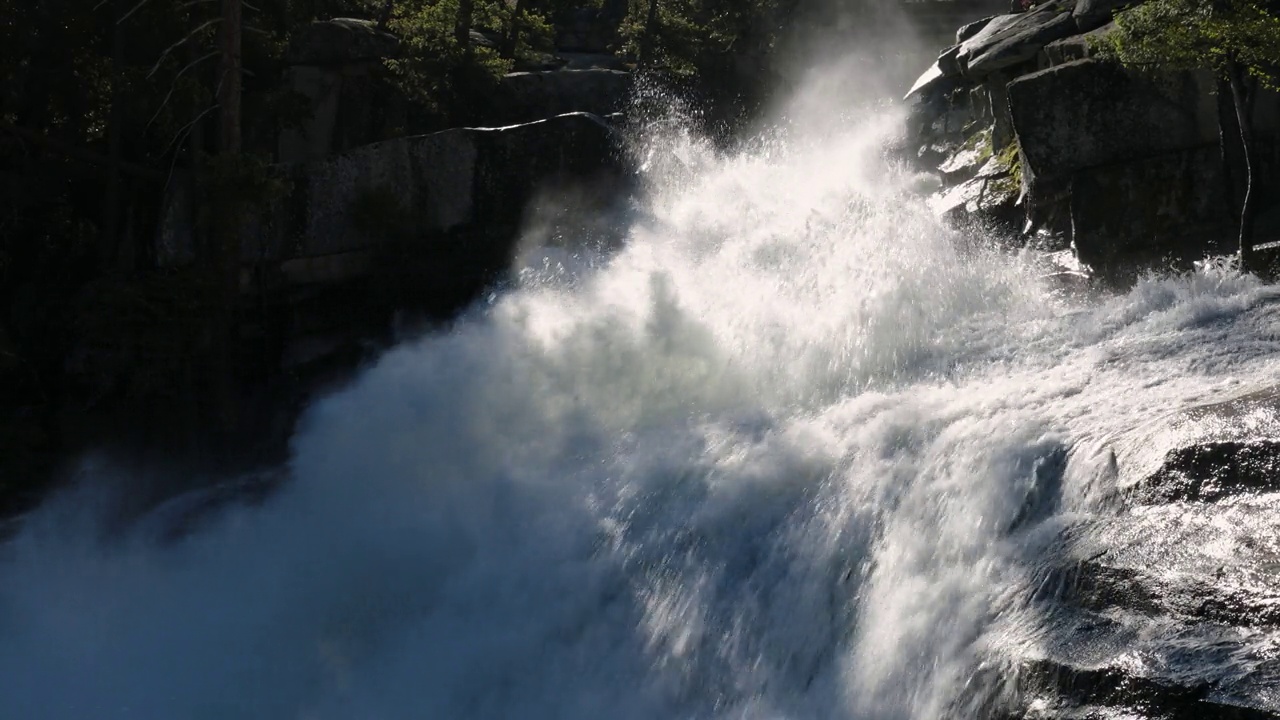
[
  {"x": 178, "y": 44},
  {"x": 174, "y": 85}
]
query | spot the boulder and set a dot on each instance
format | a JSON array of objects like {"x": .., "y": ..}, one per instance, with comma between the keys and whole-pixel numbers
[
  {"x": 1076, "y": 47},
  {"x": 1009, "y": 40},
  {"x": 1088, "y": 113},
  {"x": 1090, "y": 14},
  {"x": 967, "y": 31},
  {"x": 942, "y": 76},
  {"x": 1211, "y": 471}
]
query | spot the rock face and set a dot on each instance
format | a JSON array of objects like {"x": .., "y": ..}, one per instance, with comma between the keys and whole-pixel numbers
[
  {"x": 1088, "y": 113},
  {"x": 406, "y": 230},
  {"x": 336, "y": 68},
  {"x": 527, "y": 96},
  {"x": 1123, "y": 164},
  {"x": 455, "y": 183}
]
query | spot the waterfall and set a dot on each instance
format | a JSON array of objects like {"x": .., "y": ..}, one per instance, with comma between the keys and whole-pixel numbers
[{"x": 792, "y": 449}]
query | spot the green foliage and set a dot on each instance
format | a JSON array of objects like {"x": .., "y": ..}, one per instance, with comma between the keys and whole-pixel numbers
[
  {"x": 1011, "y": 160},
  {"x": 1197, "y": 34},
  {"x": 688, "y": 34},
  {"x": 446, "y": 78}
]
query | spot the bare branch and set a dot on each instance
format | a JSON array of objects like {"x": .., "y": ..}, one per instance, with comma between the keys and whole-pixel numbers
[
  {"x": 247, "y": 5},
  {"x": 135, "y": 9},
  {"x": 178, "y": 44},
  {"x": 174, "y": 85},
  {"x": 186, "y": 129}
]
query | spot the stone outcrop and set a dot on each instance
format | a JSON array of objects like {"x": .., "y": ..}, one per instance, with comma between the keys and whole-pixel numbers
[
  {"x": 1088, "y": 113},
  {"x": 446, "y": 188},
  {"x": 336, "y": 68},
  {"x": 434, "y": 185},
  {"x": 1124, "y": 165},
  {"x": 417, "y": 224},
  {"x": 528, "y": 96},
  {"x": 1010, "y": 40}
]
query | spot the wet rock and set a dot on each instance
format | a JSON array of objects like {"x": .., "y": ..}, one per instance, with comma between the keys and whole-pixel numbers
[
  {"x": 1117, "y": 691},
  {"x": 989, "y": 197},
  {"x": 1212, "y": 471}
]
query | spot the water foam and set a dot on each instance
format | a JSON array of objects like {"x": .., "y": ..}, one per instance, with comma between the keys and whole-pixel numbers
[{"x": 792, "y": 451}]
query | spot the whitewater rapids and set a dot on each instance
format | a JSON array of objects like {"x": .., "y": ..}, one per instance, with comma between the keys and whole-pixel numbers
[{"x": 792, "y": 450}]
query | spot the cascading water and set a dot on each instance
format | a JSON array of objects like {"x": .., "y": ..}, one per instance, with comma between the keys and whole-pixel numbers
[{"x": 793, "y": 450}]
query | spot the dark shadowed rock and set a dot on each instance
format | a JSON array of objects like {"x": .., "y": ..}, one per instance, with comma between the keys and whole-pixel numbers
[
  {"x": 1089, "y": 113},
  {"x": 339, "y": 41},
  {"x": 1076, "y": 47},
  {"x": 337, "y": 67},
  {"x": 1155, "y": 211}
]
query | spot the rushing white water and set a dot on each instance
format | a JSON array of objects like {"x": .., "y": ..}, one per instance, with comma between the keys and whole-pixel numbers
[{"x": 793, "y": 451}]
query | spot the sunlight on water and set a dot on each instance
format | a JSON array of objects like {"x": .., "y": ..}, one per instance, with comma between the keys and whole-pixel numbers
[{"x": 793, "y": 450}]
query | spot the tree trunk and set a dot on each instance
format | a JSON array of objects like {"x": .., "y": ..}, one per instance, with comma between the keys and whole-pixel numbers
[
  {"x": 109, "y": 233},
  {"x": 462, "y": 30},
  {"x": 650, "y": 33},
  {"x": 1247, "y": 206},
  {"x": 227, "y": 273},
  {"x": 229, "y": 78},
  {"x": 1228, "y": 150},
  {"x": 512, "y": 39}
]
